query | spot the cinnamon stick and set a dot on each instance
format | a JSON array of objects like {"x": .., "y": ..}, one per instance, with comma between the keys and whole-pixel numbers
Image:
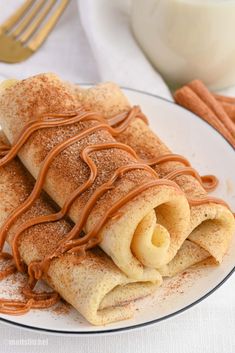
[
  {"x": 205, "y": 95},
  {"x": 186, "y": 97},
  {"x": 230, "y": 110}
]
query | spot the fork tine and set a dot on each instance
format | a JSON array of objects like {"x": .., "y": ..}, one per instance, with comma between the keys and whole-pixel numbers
[
  {"x": 43, "y": 33},
  {"x": 28, "y": 18},
  {"x": 36, "y": 23},
  {"x": 12, "y": 20}
]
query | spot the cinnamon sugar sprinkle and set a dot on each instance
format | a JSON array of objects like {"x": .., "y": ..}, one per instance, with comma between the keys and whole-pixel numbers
[
  {"x": 180, "y": 283},
  {"x": 66, "y": 146},
  {"x": 176, "y": 285},
  {"x": 62, "y": 308},
  {"x": 69, "y": 244}
]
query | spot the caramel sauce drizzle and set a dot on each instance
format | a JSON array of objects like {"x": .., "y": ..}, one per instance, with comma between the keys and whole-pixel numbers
[
  {"x": 208, "y": 182},
  {"x": 18, "y": 307},
  {"x": 40, "y": 300},
  {"x": 73, "y": 242}
]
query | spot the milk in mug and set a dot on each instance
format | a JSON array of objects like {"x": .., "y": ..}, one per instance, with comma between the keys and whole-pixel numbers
[{"x": 187, "y": 39}]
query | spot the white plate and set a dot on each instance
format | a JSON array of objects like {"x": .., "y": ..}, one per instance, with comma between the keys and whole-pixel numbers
[{"x": 188, "y": 135}]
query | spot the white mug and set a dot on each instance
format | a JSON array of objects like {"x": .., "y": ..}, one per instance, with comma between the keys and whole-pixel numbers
[{"x": 188, "y": 39}]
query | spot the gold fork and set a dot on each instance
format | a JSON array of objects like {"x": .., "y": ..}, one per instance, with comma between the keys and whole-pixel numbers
[{"x": 25, "y": 31}]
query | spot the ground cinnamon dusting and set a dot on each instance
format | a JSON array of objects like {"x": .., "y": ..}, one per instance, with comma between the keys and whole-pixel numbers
[
  {"x": 103, "y": 161},
  {"x": 62, "y": 308},
  {"x": 179, "y": 283},
  {"x": 37, "y": 268}
]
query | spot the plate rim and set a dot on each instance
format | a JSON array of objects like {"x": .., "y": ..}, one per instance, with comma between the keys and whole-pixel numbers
[{"x": 144, "y": 324}]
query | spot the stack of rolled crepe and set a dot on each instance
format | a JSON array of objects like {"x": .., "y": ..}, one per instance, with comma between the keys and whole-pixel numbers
[
  {"x": 211, "y": 224},
  {"x": 95, "y": 287},
  {"x": 146, "y": 232}
]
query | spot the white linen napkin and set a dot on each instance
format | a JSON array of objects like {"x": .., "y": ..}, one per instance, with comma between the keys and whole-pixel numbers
[{"x": 116, "y": 52}]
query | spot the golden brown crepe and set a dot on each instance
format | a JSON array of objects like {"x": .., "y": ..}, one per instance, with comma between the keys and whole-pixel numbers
[
  {"x": 212, "y": 225},
  {"x": 152, "y": 225},
  {"x": 95, "y": 287}
]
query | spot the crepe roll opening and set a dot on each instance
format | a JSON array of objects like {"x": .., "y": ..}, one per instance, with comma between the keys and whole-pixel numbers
[
  {"x": 97, "y": 289},
  {"x": 188, "y": 255},
  {"x": 157, "y": 236},
  {"x": 117, "y": 302},
  {"x": 148, "y": 235},
  {"x": 122, "y": 295},
  {"x": 152, "y": 247},
  {"x": 214, "y": 232}
]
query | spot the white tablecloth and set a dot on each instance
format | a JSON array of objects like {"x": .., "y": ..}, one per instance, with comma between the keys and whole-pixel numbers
[
  {"x": 207, "y": 328},
  {"x": 210, "y": 326}
]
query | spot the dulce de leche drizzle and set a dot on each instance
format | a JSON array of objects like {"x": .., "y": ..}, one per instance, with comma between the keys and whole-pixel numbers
[
  {"x": 72, "y": 243},
  {"x": 33, "y": 300},
  {"x": 208, "y": 182}
]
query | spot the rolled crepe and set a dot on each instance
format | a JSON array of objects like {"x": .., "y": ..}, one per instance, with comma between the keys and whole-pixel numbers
[
  {"x": 211, "y": 225},
  {"x": 95, "y": 287},
  {"x": 155, "y": 221}
]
